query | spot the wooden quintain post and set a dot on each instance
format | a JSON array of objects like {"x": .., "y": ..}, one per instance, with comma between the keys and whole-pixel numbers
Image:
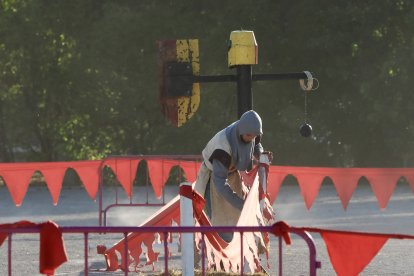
[{"x": 179, "y": 71}]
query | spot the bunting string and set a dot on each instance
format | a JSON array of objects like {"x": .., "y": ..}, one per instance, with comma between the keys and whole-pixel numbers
[{"x": 17, "y": 177}]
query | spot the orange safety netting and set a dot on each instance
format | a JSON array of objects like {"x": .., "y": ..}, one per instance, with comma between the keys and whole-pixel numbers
[{"x": 382, "y": 180}]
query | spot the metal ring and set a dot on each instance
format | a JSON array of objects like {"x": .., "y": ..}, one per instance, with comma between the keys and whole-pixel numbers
[{"x": 309, "y": 83}]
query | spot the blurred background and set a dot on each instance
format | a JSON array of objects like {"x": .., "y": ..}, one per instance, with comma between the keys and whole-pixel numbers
[{"x": 78, "y": 78}]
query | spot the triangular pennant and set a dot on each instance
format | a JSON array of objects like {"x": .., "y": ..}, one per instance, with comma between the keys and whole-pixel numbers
[
  {"x": 410, "y": 179},
  {"x": 54, "y": 179},
  {"x": 350, "y": 253},
  {"x": 110, "y": 162},
  {"x": 345, "y": 185},
  {"x": 191, "y": 169},
  {"x": 383, "y": 186},
  {"x": 158, "y": 171},
  {"x": 274, "y": 181},
  {"x": 309, "y": 184},
  {"x": 17, "y": 181},
  {"x": 125, "y": 171},
  {"x": 88, "y": 172}
]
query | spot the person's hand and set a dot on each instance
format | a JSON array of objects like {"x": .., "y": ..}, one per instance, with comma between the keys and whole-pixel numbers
[{"x": 269, "y": 155}]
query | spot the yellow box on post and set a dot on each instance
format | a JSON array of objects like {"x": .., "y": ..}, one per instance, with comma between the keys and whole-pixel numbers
[{"x": 242, "y": 49}]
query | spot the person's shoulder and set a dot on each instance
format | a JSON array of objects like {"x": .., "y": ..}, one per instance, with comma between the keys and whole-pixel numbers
[
  {"x": 224, "y": 141},
  {"x": 219, "y": 135},
  {"x": 220, "y": 140},
  {"x": 222, "y": 135}
]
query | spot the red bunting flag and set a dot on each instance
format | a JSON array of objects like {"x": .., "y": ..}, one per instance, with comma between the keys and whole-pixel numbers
[
  {"x": 350, "y": 252},
  {"x": 345, "y": 185},
  {"x": 275, "y": 179},
  {"x": 383, "y": 186},
  {"x": 190, "y": 169},
  {"x": 88, "y": 172},
  {"x": 309, "y": 183},
  {"x": 382, "y": 180},
  {"x": 17, "y": 181},
  {"x": 159, "y": 171},
  {"x": 54, "y": 179}
]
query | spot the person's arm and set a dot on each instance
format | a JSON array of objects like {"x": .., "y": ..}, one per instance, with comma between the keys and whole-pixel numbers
[
  {"x": 258, "y": 148},
  {"x": 219, "y": 175}
]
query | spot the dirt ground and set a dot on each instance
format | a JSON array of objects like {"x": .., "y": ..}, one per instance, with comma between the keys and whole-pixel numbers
[{"x": 75, "y": 208}]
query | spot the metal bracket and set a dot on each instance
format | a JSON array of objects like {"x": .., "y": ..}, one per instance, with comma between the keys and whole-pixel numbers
[{"x": 178, "y": 79}]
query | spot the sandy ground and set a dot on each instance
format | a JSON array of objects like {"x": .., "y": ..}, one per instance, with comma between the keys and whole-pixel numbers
[{"x": 75, "y": 208}]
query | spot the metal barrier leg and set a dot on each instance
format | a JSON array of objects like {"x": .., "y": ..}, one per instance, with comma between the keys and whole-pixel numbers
[
  {"x": 241, "y": 254},
  {"x": 313, "y": 263},
  {"x": 280, "y": 256},
  {"x": 100, "y": 198},
  {"x": 9, "y": 257},
  {"x": 203, "y": 248},
  {"x": 166, "y": 253},
  {"x": 86, "y": 253},
  {"x": 126, "y": 254}
]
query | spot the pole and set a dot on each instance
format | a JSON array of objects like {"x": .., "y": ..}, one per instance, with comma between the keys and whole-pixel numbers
[
  {"x": 187, "y": 239},
  {"x": 244, "y": 89}
]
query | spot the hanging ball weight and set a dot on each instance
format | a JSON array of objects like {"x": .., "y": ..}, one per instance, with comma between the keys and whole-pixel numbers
[{"x": 305, "y": 130}]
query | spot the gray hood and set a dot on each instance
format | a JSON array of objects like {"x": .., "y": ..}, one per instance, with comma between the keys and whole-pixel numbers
[{"x": 241, "y": 152}]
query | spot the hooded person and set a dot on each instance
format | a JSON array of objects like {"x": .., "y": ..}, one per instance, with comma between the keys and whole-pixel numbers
[{"x": 231, "y": 150}]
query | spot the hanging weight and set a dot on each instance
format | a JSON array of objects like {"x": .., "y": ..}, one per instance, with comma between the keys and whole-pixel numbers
[{"x": 305, "y": 130}]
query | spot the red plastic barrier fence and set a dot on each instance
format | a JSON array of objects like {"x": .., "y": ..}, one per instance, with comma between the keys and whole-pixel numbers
[
  {"x": 349, "y": 252},
  {"x": 275, "y": 229}
]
